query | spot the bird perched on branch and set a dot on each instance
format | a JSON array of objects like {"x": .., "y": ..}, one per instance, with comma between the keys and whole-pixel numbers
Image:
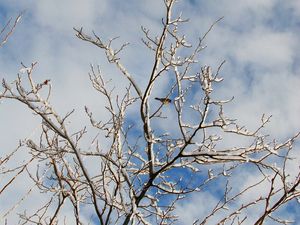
[{"x": 165, "y": 101}]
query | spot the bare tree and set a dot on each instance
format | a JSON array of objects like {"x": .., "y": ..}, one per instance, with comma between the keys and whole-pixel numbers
[{"x": 144, "y": 171}]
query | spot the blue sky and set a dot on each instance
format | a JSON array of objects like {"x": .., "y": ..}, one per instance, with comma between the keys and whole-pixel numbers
[{"x": 258, "y": 39}]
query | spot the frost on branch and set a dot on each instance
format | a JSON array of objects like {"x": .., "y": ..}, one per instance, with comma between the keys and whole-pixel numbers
[{"x": 137, "y": 170}]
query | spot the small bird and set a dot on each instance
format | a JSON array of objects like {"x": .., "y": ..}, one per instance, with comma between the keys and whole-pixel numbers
[
  {"x": 46, "y": 82},
  {"x": 165, "y": 101}
]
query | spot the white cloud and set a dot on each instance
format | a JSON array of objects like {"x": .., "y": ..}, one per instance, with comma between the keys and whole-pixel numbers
[
  {"x": 265, "y": 48},
  {"x": 196, "y": 207}
]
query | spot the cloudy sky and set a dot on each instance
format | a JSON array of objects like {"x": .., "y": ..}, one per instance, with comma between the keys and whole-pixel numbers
[{"x": 259, "y": 39}]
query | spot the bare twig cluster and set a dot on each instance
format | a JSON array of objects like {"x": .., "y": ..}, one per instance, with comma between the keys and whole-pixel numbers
[
  {"x": 145, "y": 172},
  {"x": 8, "y": 29}
]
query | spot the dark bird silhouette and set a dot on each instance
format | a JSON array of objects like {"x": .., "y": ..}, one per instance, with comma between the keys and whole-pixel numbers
[{"x": 164, "y": 100}]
